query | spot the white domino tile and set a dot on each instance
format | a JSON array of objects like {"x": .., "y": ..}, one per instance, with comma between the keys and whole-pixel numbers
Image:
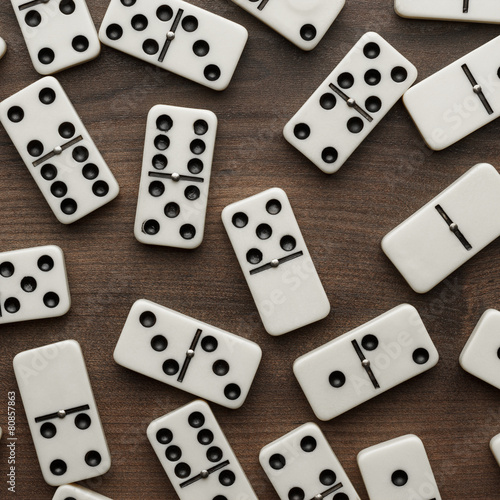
[
  {"x": 472, "y": 11},
  {"x": 275, "y": 261},
  {"x": 175, "y": 178},
  {"x": 57, "y": 150},
  {"x": 187, "y": 354},
  {"x": 398, "y": 469},
  {"x": 481, "y": 354},
  {"x": 459, "y": 99},
  {"x": 349, "y": 104},
  {"x": 76, "y": 492},
  {"x": 3, "y": 47},
  {"x": 301, "y": 464},
  {"x": 62, "y": 413},
  {"x": 196, "y": 455},
  {"x": 365, "y": 362},
  {"x": 58, "y": 34},
  {"x": 495, "y": 447},
  {"x": 448, "y": 231},
  {"x": 176, "y": 36},
  {"x": 33, "y": 284}
]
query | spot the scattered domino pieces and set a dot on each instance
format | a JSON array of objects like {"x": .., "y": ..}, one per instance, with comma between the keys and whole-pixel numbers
[
  {"x": 459, "y": 99},
  {"x": 187, "y": 354},
  {"x": 62, "y": 413},
  {"x": 196, "y": 456},
  {"x": 33, "y": 284},
  {"x": 76, "y": 492},
  {"x": 487, "y": 11},
  {"x": 301, "y": 464},
  {"x": 398, "y": 470},
  {"x": 348, "y": 105},
  {"x": 57, "y": 37},
  {"x": 448, "y": 231},
  {"x": 175, "y": 178},
  {"x": 302, "y": 23},
  {"x": 177, "y": 37},
  {"x": 275, "y": 261},
  {"x": 57, "y": 150},
  {"x": 481, "y": 354},
  {"x": 171, "y": 210},
  {"x": 365, "y": 362}
]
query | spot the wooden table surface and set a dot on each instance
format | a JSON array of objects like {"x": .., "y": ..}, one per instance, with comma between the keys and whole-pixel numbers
[{"x": 343, "y": 218}]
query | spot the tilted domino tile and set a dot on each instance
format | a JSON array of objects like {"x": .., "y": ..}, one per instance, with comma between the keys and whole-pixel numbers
[
  {"x": 196, "y": 456},
  {"x": 62, "y": 413},
  {"x": 275, "y": 261},
  {"x": 348, "y": 105},
  {"x": 495, "y": 447},
  {"x": 75, "y": 492},
  {"x": 487, "y": 11},
  {"x": 301, "y": 464},
  {"x": 175, "y": 178},
  {"x": 58, "y": 151},
  {"x": 449, "y": 230},
  {"x": 3, "y": 47},
  {"x": 176, "y": 36},
  {"x": 58, "y": 34},
  {"x": 481, "y": 354},
  {"x": 398, "y": 470},
  {"x": 188, "y": 354},
  {"x": 302, "y": 23},
  {"x": 33, "y": 284},
  {"x": 365, "y": 362},
  {"x": 459, "y": 99}
]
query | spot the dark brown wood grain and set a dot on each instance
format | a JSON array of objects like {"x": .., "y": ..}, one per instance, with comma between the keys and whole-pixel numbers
[{"x": 343, "y": 218}]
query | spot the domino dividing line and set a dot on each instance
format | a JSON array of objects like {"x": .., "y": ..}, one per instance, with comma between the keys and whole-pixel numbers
[
  {"x": 366, "y": 364},
  {"x": 62, "y": 413},
  {"x": 57, "y": 151},
  {"x": 189, "y": 355},
  {"x": 453, "y": 228},
  {"x": 477, "y": 89},
  {"x": 204, "y": 474},
  {"x": 351, "y": 102},
  {"x": 171, "y": 35},
  {"x": 276, "y": 263}
]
